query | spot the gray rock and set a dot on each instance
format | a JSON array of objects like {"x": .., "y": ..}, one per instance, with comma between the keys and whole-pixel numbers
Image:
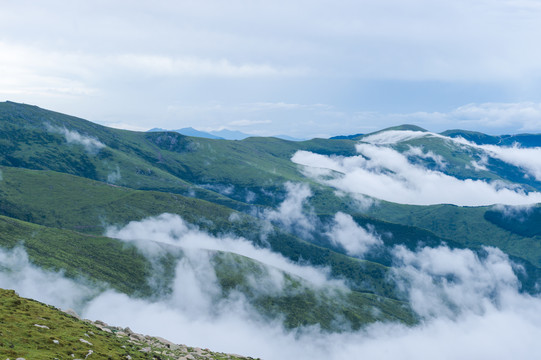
[
  {"x": 72, "y": 313},
  {"x": 85, "y": 342},
  {"x": 137, "y": 337}
]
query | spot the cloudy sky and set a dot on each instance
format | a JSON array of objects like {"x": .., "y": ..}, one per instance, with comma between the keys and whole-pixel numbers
[{"x": 302, "y": 68}]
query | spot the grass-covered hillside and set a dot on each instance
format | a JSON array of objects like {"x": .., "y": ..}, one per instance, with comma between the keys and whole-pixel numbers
[{"x": 33, "y": 330}]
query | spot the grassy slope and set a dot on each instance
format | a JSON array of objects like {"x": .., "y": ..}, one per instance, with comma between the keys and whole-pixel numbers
[
  {"x": 65, "y": 201},
  {"x": 21, "y": 338},
  {"x": 100, "y": 259},
  {"x": 465, "y": 225}
]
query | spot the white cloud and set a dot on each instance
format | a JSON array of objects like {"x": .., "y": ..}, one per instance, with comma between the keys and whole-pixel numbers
[
  {"x": 91, "y": 145},
  {"x": 419, "y": 152},
  {"x": 490, "y": 320},
  {"x": 448, "y": 282},
  {"x": 395, "y": 136},
  {"x": 114, "y": 176},
  {"x": 518, "y": 213},
  {"x": 353, "y": 238},
  {"x": 17, "y": 272},
  {"x": 173, "y": 230},
  {"x": 386, "y": 174},
  {"x": 529, "y": 159},
  {"x": 293, "y": 213}
]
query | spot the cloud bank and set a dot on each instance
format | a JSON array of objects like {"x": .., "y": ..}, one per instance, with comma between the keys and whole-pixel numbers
[
  {"x": 172, "y": 230},
  {"x": 384, "y": 173},
  {"x": 469, "y": 306},
  {"x": 294, "y": 213},
  {"x": 356, "y": 240}
]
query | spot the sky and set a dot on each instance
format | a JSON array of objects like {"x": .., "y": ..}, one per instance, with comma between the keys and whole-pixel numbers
[{"x": 303, "y": 68}]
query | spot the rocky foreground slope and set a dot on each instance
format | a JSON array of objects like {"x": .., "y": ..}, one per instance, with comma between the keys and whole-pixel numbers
[{"x": 32, "y": 330}]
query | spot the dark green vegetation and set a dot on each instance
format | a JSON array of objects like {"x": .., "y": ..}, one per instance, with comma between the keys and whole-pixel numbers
[
  {"x": 524, "y": 140},
  {"x": 64, "y": 180},
  {"x": 32, "y": 330}
]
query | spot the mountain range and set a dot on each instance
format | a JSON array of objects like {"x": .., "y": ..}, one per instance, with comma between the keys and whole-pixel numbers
[
  {"x": 324, "y": 234},
  {"x": 223, "y": 134}
]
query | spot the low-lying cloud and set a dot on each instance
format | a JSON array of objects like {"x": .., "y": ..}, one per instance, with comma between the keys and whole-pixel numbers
[
  {"x": 469, "y": 306},
  {"x": 91, "y": 145},
  {"x": 449, "y": 282},
  {"x": 294, "y": 213},
  {"x": 114, "y": 176},
  {"x": 384, "y": 173},
  {"x": 16, "y": 272},
  {"x": 355, "y": 239},
  {"x": 172, "y": 230},
  {"x": 529, "y": 159}
]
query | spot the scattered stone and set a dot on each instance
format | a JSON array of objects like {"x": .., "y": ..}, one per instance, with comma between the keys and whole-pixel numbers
[
  {"x": 137, "y": 337},
  {"x": 56, "y": 341},
  {"x": 128, "y": 357},
  {"x": 128, "y": 331},
  {"x": 145, "y": 350},
  {"x": 42, "y": 326},
  {"x": 101, "y": 323},
  {"x": 85, "y": 342},
  {"x": 72, "y": 313},
  {"x": 89, "y": 353}
]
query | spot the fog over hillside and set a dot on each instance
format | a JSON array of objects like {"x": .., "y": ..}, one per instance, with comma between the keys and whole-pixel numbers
[
  {"x": 469, "y": 304},
  {"x": 382, "y": 172}
]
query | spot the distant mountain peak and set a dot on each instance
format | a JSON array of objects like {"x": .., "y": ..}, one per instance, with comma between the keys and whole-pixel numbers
[{"x": 403, "y": 127}]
